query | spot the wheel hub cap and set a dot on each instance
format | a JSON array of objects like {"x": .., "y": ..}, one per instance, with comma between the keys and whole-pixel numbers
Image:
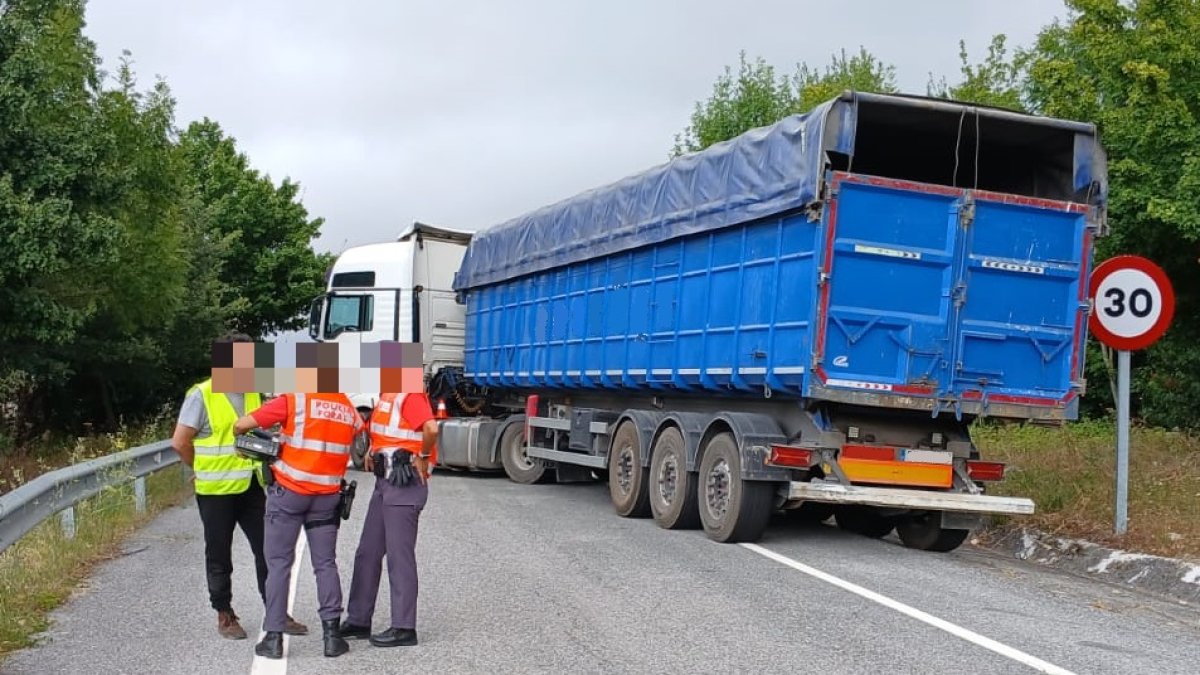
[
  {"x": 625, "y": 469},
  {"x": 668, "y": 480},
  {"x": 717, "y": 488}
]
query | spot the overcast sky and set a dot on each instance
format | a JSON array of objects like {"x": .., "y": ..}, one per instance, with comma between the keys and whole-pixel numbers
[{"x": 466, "y": 114}]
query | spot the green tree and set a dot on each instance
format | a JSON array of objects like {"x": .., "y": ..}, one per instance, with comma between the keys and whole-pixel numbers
[
  {"x": 119, "y": 352},
  {"x": 57, "y": 236},
  {"x": 124, "y": 248},
  {"x": 757, "y": 96},
  {"x": 270, "y": 268},
  {"x": 997, "y": 81},
  {"x": 1134, "y": 69}
]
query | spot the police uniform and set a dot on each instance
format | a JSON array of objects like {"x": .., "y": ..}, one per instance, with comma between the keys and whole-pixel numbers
[
  {"x": 318, "y": 431},
  {"x": 391, "y": 523}
]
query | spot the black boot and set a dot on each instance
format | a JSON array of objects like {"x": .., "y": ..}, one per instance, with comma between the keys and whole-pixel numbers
[
  {"x": 334, "y": 644},
  {"x": 271, "y": 646}
]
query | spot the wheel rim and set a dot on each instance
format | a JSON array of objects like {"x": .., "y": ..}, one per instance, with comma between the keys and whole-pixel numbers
[
  {"x": 668, "y": 480},
  {"x": 625, "y": 469},
  {"x": 523, "y": 461},
  {"x": 717, "y": 485}
]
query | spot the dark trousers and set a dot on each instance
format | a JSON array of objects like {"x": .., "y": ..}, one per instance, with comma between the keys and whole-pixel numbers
[
  {"x": 390, "y": 530},
  {"x": 287, "y": 513},
  {"x": 221, "y": 514}
]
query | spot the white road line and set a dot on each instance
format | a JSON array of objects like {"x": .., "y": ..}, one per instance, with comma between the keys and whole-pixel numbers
[
  {"x": 265, "y": 666},
  {"x": 958, "y": 631}
]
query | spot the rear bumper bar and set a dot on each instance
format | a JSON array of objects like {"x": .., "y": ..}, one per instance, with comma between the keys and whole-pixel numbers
[{"x": 835, "y": 493}]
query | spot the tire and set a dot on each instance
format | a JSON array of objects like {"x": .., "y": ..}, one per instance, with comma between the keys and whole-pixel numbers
[
  {"x": 864, "y": 520},
  {"x": 925, "y": 533},
  {"x": 672, "y": 488},
  {"x": 627, "y": 478},
  {"x": 519, "y": 467},
  {"x": 731, "y": 509}
]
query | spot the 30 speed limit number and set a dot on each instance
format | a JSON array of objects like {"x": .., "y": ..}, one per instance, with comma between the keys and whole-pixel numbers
[{"x": 1132, "y": 302}]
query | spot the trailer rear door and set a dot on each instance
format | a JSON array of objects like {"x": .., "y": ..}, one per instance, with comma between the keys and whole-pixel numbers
[{"x": 950, "y": 298}]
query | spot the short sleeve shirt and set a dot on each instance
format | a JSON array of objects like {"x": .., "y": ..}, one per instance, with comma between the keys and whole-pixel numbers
[
  {"x": 193, "y": 414},
  {"x": 417, "y": 410}
]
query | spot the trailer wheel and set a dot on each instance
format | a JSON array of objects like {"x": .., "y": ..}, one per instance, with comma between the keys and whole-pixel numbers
[
  {"x": 925, "y": 533},
  {"x": 627, "y": 478},
  {"x": 521, "y": 468},
  {"x": 672, "y": 487},
  {"x": 863, "y": 520},
  {"x": 731, "y": 509}
]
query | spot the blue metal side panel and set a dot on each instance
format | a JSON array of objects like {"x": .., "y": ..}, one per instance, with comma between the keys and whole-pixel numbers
[
  {"x": 1024, "y": 273},
  {"x": 718, "y": 311}
]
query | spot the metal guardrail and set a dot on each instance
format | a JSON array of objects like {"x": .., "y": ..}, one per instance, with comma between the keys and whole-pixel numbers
[{"x": 59, "y": 491}]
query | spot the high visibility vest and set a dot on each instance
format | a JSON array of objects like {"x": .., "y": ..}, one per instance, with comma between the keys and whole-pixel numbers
[
  {"x": 219, "y": 469},
  {"x": 391, "y": 431},
  {"x": 316, "y": 439}
]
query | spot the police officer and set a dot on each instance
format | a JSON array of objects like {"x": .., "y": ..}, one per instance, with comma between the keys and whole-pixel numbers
[
  {"x": 318, "y": 431},
  {"x": 229, "y": 494},
  {"x": 403, "y": 449}
]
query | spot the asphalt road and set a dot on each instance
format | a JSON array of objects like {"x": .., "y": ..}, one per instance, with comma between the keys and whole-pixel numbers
[{"x": 547, "y": 579}]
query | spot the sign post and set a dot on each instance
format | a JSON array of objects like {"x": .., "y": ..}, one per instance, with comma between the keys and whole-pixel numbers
[{"x": 1133, "y": 303}]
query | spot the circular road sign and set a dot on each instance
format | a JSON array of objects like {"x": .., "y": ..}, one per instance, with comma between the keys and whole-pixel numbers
[{"x": 1132, "y": 302}]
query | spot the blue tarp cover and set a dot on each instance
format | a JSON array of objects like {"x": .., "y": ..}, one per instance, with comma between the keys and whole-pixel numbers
[
  {"x": 762, "y": 172},
  {"x": 758, "y": 174}
]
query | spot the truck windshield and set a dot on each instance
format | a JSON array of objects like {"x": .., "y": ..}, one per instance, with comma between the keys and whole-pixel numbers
[{"x": 348, "y": 312}]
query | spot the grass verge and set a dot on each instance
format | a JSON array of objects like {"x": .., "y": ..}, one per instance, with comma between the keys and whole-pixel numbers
[
  {"x": 43, "y": 569},
  {"x": 1070, "y": 474}
]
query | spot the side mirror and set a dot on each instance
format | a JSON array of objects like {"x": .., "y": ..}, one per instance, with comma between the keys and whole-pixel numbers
[{"x": 315, "y": 310}]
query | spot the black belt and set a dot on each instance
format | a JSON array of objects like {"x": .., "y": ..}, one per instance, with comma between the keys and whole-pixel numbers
[{"x": 400, "y": 463}]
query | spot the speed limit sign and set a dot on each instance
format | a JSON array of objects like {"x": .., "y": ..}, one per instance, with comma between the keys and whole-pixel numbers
[
  {"x": 1132, "y": 305},
  {"x": 1132, "y": 302}
]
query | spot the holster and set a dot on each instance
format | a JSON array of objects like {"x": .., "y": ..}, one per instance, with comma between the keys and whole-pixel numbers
[
  {"x": 345, "y": 502},
  {"x": 402, "y": 469},
  {"x": 395, "y": 467}
]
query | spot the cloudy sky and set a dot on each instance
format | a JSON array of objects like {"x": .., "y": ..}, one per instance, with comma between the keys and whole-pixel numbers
[{"x": 467, "y": 113}]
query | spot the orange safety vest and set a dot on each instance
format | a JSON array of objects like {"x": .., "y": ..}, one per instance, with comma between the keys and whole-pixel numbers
[
  {"x": 391, "y": 431},
  {"x": 316, "y": 440}
]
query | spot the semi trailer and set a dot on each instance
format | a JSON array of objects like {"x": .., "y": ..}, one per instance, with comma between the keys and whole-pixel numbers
[{"x": 806, "y": 318}]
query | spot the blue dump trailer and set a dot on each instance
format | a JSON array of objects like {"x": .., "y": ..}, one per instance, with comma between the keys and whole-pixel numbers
[{"x": 804, "y": 319}]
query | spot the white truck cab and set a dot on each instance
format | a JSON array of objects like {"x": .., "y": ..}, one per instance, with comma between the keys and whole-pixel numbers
[{"x": 399, "y": 290}]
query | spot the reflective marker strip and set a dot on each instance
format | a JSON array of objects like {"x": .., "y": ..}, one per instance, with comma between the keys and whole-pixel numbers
[
  {"x": 396, "y": 433},
  {"x": 224, "y": 475},
  {"x": 853, "y": 384},
  {"x": 299, "y": 415},
  {"x": 318, "y": 446},
  {"x": 889, "y": 252},
  {"x": 306, "y": 476},
  {"x": 215, "y": 450},
  {"x": 1013, "y": 267}
]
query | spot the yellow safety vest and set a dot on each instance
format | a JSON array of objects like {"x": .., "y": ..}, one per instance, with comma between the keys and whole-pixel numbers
[{"x": 219, "y": 469}]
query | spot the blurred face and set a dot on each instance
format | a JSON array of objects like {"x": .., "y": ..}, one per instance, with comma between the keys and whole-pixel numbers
[
  {"x": 306, "y": 380},
  {"x": 243, "y": 367}
]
